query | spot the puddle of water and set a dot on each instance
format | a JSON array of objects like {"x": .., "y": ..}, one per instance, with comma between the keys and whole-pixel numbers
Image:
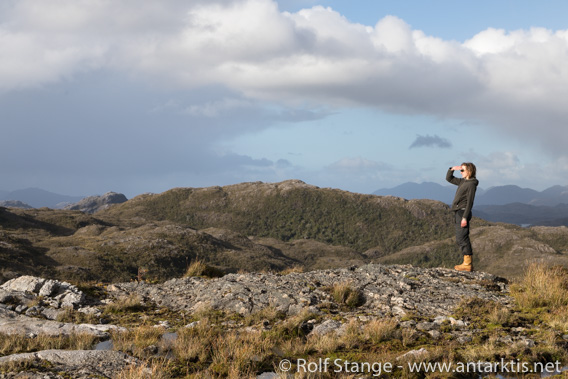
[{"x": 104, "y": 345}]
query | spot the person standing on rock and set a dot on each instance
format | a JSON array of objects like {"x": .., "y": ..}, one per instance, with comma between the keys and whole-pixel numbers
[{"x": 461, "y": 206}]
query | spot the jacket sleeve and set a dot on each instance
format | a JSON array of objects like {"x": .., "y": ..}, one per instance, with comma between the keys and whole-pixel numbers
[
  {"x": 451, "y": 178},
  {"x": 470, "y": 196}
]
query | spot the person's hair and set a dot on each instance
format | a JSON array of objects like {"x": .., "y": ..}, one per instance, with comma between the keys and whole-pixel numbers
[{"x": 470, "y": 168}]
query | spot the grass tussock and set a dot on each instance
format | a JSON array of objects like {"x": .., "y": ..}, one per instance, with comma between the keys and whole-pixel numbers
[
  {"x": 200, "y": 269},
  {"x": 344, "y": 294},
  {"x": 381, "y": 330},
  {"x": 293, "y": 270},
  {"x": 127, "y": 304},
  {"x": 542, "y": 286},
  {"x": 138, "y": 341},
  {"x": 70, "y": 315}
]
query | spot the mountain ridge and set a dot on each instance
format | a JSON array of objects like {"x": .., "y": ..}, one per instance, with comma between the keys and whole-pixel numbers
[
  {"x": 38, "y": 198},
  {"x": 508, "y": 203},
  {"x": 496, "y": 195}
]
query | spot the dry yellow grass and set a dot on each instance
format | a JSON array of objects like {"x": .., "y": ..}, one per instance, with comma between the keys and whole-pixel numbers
[
  {"x": 382, "y": 330},
  {"x": 153, "y": 370},
  {"x": 19, "y": 343},
  {"x": 542, "y": 286}
]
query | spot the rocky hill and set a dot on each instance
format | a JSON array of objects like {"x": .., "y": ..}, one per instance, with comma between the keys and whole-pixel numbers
[{"x": 256, "y": 227}]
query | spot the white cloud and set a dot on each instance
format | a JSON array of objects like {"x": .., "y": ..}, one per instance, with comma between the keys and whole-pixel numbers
[{"x": 514, "y": 80}]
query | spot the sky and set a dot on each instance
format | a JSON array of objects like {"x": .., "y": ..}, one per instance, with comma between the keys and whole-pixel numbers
[{"x": 137, "y": 96}]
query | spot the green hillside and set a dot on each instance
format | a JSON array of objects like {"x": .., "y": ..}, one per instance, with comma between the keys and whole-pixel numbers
[
  {"x": 257, "y": 227},
  {"x": 293, "y": 210}
]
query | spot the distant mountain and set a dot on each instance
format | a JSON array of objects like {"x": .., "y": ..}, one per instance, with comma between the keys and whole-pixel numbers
[
  {"x": 552, "y": 196},
  {"x": 38, "y": 198},
  {"x": 500, "y": 195},
  {"x": 506, "y": 194},
  {"x": 509, "y": 203}
]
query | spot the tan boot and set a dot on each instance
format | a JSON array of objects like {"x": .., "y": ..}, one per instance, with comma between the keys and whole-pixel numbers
[{"x": 466, "y": 265}]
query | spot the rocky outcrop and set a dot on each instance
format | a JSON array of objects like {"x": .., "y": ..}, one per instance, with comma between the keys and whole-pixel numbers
[
  {"x": 30, "y": 305},
  {"x": 57, "y": 294},
  {"x": 385, "y": 290},
  {"x": 93, "y": 204}
]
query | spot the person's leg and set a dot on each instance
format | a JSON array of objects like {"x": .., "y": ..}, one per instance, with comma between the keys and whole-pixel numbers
[{"x": 462, "y": 239}]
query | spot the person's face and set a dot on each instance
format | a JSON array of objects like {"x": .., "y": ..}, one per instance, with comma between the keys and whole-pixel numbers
[{"x": 464, "y": 172}]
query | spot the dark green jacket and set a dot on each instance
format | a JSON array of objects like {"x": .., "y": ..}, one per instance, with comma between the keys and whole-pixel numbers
[{"x": 465, "y": 194}]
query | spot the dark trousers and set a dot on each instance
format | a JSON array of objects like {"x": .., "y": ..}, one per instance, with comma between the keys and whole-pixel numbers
[{"x": 462, "y": 234}]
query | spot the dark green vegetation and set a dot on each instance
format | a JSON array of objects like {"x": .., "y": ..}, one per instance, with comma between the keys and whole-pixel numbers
[{"x": 255, "y": 227}]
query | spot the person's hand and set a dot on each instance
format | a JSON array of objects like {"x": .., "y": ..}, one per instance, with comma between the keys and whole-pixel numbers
[
  {"x": 457, "y": 168},
  {"x": 463, "y": 223}
]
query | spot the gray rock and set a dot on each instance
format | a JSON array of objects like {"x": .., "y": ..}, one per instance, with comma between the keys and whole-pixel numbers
[
  {"x": 51, "y": 313},
  {"x": 48, "y": 288},
  {"x": 13, "y": 323},
  {"x": 414, "y": 354},
  {"x": 54, "y": 293},
  {"x": 72, "y": 299},
  {"x": 326, "y": 327},
  {"x": 435, "y": 334},
  {"x": 34, "y": 311},
  {"x": 24, "y": 283},
  {"x": 21, "y": 308}
]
